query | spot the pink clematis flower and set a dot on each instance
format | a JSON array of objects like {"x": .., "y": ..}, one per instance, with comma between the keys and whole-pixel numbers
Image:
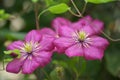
[
  {"x": 53, "y": 33},
  {"x": 96, "y": 24},
  {"x": 35, "y": 51},
  {"x": 56, "y": 23},
  {"x": 82, "y": 40}
]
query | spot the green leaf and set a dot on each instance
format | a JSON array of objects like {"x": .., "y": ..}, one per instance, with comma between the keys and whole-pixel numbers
[
  {"x": 6, "y": 16},
  {"x": 8, "y": 52},
  {"x": 49, "y": 2},
  {"x": 58, "y": 9},
  {"x": 112, "y": 58},
  {"x": 57, "y": 73},
  {"x": 8, "y": 59},
  {"x": 3, "y": 15},
  {"x": 2, "y": 11},
  {"x": 34, "y": 1},
  {"x": 99, "y": 1},
  {"x": 16, "y": 51}
]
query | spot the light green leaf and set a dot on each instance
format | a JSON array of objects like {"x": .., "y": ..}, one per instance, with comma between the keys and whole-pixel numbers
[
  {"x": 6, "y": 16},
  {"x": 8, "y": 59},
  {"x": 2, "y": 11},
  {"x": 8, "y": 52},
  {"x": 34, "y": 1},
  {"x": 58, "y": 9},
  {"x": 99, "y": 1},
  {"x": 15, "y": 51},
  {"x": 49, "y": 2}
]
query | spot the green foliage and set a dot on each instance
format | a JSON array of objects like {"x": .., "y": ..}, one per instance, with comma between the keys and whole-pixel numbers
[
  {"x": 57, "y": 74},
  {"x": 107, "y": 69},
  {"x": 49, "y": 2},
  {"x": 58, "y": 9},
  {"x": 99, "y": 1},
  {"x": 15, "y": 51},
  {"x": 8, "y": 52},
  {"x": 34, "y": 1},
  {"x": 113, "y": 60},
  {"x": 3, "y": 15},
  {"x": 12, "y": 35}
]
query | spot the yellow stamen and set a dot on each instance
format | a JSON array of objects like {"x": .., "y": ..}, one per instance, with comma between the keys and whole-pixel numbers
[
  {"x": 82, "y": 35},
  {"x": 28, "y": 47}
]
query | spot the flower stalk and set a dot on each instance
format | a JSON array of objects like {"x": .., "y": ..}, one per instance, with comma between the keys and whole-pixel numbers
[
  {"x": 36, "y": 15},
  {"x": 76, "y": 8}
]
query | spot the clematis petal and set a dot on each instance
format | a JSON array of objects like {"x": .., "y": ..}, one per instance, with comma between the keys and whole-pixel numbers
[
  {"x": 93, "y": 53},
  {"x": 59, "y": 21},
  {"x": 85, "y": 21},
  {"x": 66, "y": 31},
  {"x": 47, "y": 31},
  {"x": 88, "y": 30},
  {"x": 86, "y": 18},
  {"x": 33, "y": 36},
  {"x": 14, "y": 66},
  {"x": 15, "y": 45},
  {"x": 43, "y": 58},
  {"x": 75, "y": 50},
  {"x": 97, "y": 25},
  {"x": 47, "y": 43},
  {"x": 62, "y": 43},
  {"x": 29, "y": 65},
  {"x": 99, "y": 42}
]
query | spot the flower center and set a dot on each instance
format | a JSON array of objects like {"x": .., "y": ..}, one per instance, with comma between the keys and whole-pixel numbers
[
  {"x": 82, "y": 36},
  {"x": 28, "y": 47}
]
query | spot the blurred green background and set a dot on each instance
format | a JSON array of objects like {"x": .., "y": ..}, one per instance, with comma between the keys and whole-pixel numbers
[{"x": 22, "y": 20}]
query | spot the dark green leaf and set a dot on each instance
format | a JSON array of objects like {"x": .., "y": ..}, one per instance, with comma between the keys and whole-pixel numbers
[{"x": 113, "y": 60}]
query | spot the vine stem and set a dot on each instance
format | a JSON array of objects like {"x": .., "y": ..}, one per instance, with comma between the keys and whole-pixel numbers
[
  {"x": 76, "y": 8},
  {"x": 79, "y": 13},
  {"x": 114, "y": 40},
  {"x": 49, "y": 78},
  {"x": 36, "y": 15},
  {"x": 3, "y": 63},
  {"x": 108, "y": 37},
  {"x": 42, "y": 13},
  {"x": 84, "y": 8}
]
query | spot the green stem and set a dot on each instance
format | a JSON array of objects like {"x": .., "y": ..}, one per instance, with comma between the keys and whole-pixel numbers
[
  {"x": 46, "y": 74},
  {"x": 77, "y": 15},
  {"x": 77, "y": 76},
  {"x": 38, "y": 74},
  {"x": 84, "y": 8},
  {"x": 115, "y": 40},
  {"x": 42, "y": 12},
  {"x": 36, "y": 16},
  {"x": 76, "y": 8},
  {"x": 3, "y": 63}
]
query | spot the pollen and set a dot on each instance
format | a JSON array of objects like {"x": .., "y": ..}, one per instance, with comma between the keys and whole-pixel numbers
[
  {"x": 28, "y": 47},
  {"x": 82, "y": 35}
]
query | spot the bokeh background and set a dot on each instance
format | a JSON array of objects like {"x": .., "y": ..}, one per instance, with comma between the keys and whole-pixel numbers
[{"x": 22, "y": 20}]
